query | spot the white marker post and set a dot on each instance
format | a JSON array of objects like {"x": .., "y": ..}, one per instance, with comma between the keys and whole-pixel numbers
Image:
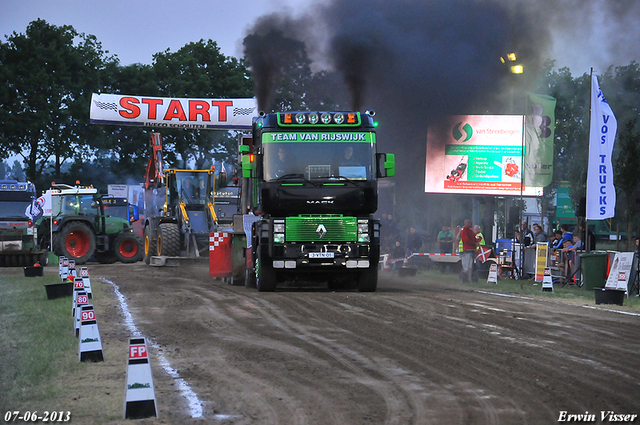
[
  {"x": 72, "y": 268},
  {"x": 60, "y": 263},
  {"x": 81, "y": 300},
  {"x": 65, "y": 268},
  {"x": 547, "y": 281},
  {"x": 90, "y": 347},
  {"x": 140, "y": 397},
  {"x": 84, "y": 274},
  {"x": 78, "y": 285},
  {"x": 493, "y": 274}
]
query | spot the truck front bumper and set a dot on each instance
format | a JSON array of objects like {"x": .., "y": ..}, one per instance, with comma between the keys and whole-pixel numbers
[{"x": 314, "y": 256}]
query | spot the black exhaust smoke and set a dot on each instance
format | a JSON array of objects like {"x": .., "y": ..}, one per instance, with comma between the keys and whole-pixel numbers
[
  {"x": 414, "y": 61},
  {"x": 269, "y": 50}
]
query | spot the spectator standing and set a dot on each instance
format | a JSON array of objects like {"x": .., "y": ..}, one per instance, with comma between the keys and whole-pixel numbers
[
  {"x": 556, "y": 242},
  {"x": 566, "y": 234},
  {"x": 527, "y": 234},
  {"x": 479, "y": 236},
  {"x": 572, "y": 258},
  {"x": 414, "y": 241},
  {"x": 538, "y": 234},
  {"x": 385, "y": 240},
  {"x": 389, "y": 231},
  {"x": 467, "y": 256},
  {"x": 397, "y": 256},
  {"x": 445, "y": 239}
]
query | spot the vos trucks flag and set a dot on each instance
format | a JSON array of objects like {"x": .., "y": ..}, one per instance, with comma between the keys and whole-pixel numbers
[
  {"x": 601, "y": 194},
  {"x": 168, "y": 112}
]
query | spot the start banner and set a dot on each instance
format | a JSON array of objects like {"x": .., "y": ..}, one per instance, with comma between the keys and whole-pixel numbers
[{"x": 168, "y": 112}]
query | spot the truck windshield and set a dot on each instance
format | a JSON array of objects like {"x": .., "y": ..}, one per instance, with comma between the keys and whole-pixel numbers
[
  {"x": 120, "y": 211},
  {"x": 323, "y": 160},
  {"x": 13, "y": 209}
]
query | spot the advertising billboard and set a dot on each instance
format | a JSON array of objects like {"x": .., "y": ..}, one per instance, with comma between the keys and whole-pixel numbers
[{"x": 477, "y": 155}]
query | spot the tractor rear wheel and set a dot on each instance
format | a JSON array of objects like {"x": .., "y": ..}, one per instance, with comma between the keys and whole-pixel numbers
[
  {"x": 128, "y": 247},
  {"x": 169, "y": 240},
  {"x": 76, "y": 241}
]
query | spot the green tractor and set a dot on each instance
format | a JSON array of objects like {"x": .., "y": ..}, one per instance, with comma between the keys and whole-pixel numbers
[{"x": 84, "y": 224}]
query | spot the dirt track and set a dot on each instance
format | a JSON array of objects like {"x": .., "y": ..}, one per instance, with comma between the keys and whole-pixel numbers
[{"x": 410, "y": 353}]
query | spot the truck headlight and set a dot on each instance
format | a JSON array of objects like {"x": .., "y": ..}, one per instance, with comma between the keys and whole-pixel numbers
[
  {"x": 278, "y": 228},
  {"x": 278, "y": 237}
]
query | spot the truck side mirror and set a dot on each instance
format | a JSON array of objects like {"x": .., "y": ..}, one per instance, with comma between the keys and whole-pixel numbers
[
  {"x": 248, "y": 163},
  {"x": 386, "y": 165}
]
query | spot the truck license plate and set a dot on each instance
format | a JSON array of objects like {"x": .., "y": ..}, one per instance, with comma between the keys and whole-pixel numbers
[{"x": 321, "y": 255}]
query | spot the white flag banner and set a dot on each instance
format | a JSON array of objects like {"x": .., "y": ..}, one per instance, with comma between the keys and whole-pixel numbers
[
  {"x": 601, "y": 194},
  {"x": 165, "y": 112}
]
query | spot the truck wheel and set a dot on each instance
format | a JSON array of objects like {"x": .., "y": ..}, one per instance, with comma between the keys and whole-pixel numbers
[
  {"x": 368, "y": 280},
  {"x": 265, "y": 274},
  {"x": 150, "y": 246},
  {"x": 169, "y": 240},
  {"x": 128, "y": 247},
  {"x": 76, "y": 241}
]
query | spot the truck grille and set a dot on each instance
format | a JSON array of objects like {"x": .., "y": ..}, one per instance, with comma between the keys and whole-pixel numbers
[{"x": 326, "y": 228}]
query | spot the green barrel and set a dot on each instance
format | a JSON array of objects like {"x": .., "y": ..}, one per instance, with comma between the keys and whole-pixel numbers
[{"x": 594, "y": 269}]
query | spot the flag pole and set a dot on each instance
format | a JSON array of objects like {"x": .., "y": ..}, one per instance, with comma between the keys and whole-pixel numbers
[{"x": 586, "y": 221}]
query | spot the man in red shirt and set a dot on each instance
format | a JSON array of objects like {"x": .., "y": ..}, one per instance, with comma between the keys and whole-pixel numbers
[{"x": 469, "y": 245}]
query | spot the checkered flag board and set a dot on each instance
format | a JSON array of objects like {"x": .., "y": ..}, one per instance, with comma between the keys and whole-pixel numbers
[
  {"x": 220, "y": 254},
  {"x": 216, "y": 239}
]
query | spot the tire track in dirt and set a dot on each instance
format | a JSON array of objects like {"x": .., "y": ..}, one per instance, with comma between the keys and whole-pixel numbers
[
  {"x": 444, "y": 390},
  {"x": 364, "y": 371},
  {"x": 405, "y": 354}
]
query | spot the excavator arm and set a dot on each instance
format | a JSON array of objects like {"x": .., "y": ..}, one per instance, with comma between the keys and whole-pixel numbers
[{"x": 154, "y": 176}]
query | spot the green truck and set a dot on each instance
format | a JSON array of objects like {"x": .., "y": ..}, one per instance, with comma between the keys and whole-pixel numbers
[{"x": 310, "y": 187}]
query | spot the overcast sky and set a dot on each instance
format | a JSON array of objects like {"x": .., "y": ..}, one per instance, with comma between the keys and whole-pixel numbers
[{"x": 135, "y": 30}]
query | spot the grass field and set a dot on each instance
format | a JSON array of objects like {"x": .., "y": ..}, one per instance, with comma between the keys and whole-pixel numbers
[{"x": 39, "y": 355}]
